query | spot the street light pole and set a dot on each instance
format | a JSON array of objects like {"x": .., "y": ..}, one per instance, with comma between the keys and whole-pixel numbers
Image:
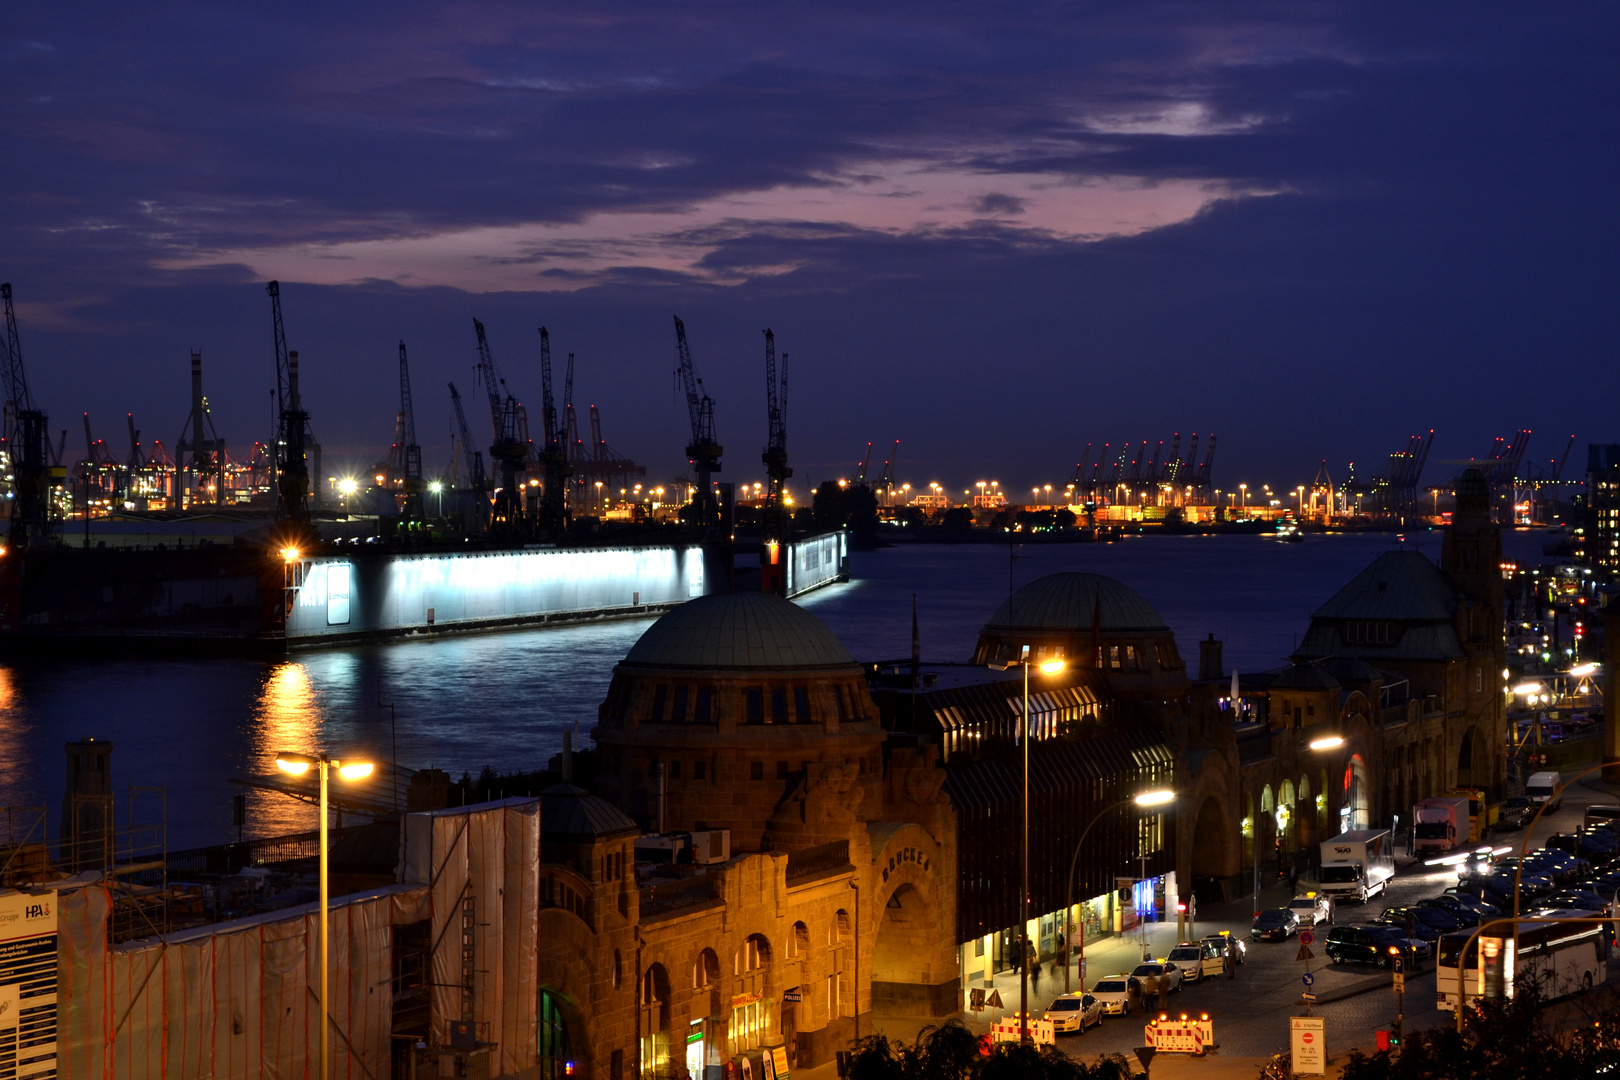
[
  {"x": 298, "y": 764},
  {"x": 1147, "y": 798}
]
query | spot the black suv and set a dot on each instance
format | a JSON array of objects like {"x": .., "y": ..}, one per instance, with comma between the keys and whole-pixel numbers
[{"x": 1371, "y": 945}]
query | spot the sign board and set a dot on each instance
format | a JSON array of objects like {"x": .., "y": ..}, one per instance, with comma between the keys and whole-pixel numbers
[
  {"x": 993, "y": 1001},
  {"x": 1307, "y": 978},
  {"x": 1305, "y": 953},
  {"x": 1144, "y": 1054},
  {"x": 28, "y": 984},
  {"x": 792, "y": 995},
  {"x": 1307, "y": 938},
  {"x": 777, "y": 1060},
  {"x": 1400, "y": 983},
  {"x": 1308, "y": 997},
  {"x": 1399, "y": 965},
  {"x": 976, "y": 999},
  {"x": 1308, "y": 1045}
]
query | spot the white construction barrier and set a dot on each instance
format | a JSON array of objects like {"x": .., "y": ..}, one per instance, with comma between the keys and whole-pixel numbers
[{"x": 1183, "y": 1035}]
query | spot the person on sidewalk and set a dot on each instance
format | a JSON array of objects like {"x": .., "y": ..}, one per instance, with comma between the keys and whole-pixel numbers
[
  {"x": 1150, "y": 993},
  {"x": 1229, "y": 958}
]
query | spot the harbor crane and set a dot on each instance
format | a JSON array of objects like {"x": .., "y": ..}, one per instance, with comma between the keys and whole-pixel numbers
[
  {"x": 510, "y": 450},
  {"x": 292, "y": 464},
  {"x": 554, "y": 452},
  {"x": 200, "y": 447},
  {"x": 773, "y": 557},
  {"x": 30, "y": 446},
  {"x": 475, "y": 467},
  {"x": 408, "y": 452},
  {"x": 704, "y": 450},
  {"x": 860, "y": 474}
]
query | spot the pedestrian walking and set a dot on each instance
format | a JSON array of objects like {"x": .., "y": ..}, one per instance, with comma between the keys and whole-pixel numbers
[
  {"x": 1229, "y": 959},
  {"x": 1150, "y": 990}
]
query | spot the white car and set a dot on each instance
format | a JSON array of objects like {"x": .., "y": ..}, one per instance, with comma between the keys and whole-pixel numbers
[
  {"x": 1168, "y": 973},
  {"x": 1117, "y": 994},
  {"x": 1197, "y": 960},
  {"x": 1312, "y": 909},
  {"x": 1074, "y": 1012}
]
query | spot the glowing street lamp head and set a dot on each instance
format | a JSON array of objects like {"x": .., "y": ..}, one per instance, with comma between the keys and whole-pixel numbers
[
  {"x": 348, "y": 486},
  {"x": 1155, "y": 798},
  {"x": 1051, "y": 667},
  {"x": 1331, "y": 742},
  {"x": 355, "y": 770},
  {"x": 289, "y": 554},
  {"x": 297, "y": 764}
]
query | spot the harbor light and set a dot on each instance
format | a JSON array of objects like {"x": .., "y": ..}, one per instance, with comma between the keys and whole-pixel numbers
[
  {"x": 289, "y": 554},
  {"x": 347, "y": 486}
]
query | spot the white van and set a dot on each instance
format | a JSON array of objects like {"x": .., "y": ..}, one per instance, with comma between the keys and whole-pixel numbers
[{"x": 1543, "y": 787}]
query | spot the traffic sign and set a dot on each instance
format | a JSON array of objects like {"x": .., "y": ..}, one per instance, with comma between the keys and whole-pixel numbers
[
  {"x": 1144, "y": 1054},
  {"x": 1400, "y": 983},
  {"x": 993, "y": 1001},
  {"x": 1305, "y": 953},
  {"x": 1307, "y": 938},
  {"x": 1400, "y": 965},
  {"x": 1307, "y": 978},
  {"x": 976, "y": 999},
  {"x": 1308, "y": 997}
]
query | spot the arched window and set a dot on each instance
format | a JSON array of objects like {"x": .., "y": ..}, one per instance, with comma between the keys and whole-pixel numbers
[
  {"x": 750, "y": 1015},
  {"x": 655, "y": 1022},
  {"x": 800, "y": 943}
]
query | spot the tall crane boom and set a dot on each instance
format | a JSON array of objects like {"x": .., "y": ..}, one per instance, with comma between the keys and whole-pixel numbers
[
  {"x": 510, "y": 449},
  {"x": 410, "y": 451},
  {"x": 703, "y": 451},
  {"x": 553, "y": 454},
  {"x": 31, "y": 446},
  {"x": 292, "y": 467},
  {"x": 475, "y": 465}
]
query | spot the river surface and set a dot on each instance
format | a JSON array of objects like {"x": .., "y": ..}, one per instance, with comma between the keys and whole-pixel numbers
[{"x": 504, "y": 700}]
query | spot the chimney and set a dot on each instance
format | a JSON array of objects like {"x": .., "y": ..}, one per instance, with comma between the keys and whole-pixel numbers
[{"x": 1210, "y": 663}]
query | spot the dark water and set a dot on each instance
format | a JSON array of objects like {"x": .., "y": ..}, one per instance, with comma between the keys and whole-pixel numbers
[{"x": 505, "y": 699}]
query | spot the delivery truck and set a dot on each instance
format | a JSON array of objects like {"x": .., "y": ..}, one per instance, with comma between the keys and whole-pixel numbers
[
  {"x": 1440, "y": 825},
  {"x": 1543, "y": 787},
  {"x": 1357, "y": 865}
]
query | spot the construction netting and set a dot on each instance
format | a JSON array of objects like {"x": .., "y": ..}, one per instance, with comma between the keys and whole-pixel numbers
[{"x": 240, "y": 999}]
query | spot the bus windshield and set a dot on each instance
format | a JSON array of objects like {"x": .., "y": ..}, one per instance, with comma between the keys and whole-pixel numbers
[{"x": 1451, "y": 947}]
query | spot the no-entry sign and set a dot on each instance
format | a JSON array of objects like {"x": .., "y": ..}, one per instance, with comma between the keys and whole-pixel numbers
[{"x": 1308, "y": 1045}]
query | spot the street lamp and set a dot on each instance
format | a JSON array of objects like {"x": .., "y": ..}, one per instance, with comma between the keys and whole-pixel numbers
[
  {"x": 298, "y": 765},
  {"x": 1048, "y": 667},
  {"x": 1146, "y": 798}
]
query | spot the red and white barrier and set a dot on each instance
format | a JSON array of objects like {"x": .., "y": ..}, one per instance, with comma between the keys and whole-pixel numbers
[{"x": 1185, "y": 1035}]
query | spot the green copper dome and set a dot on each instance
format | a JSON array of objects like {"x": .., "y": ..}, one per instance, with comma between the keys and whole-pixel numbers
[
  {"x": 739, "y": 631},
  {"x": 1076, "y": 601}
]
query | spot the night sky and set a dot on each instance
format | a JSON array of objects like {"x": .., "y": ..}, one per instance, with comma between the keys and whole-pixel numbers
[{"x": 995, "y": 232}]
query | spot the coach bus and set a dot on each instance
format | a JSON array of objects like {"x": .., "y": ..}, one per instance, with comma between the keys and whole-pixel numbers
[{"x": 1567, "y": 956}]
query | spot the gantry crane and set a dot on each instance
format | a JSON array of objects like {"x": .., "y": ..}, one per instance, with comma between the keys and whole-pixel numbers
[
  {"x": 554, "y": 453},
  {"x": 475, "y": 467},
  {"x": 703, "y": 451},
  {"x": 773, "y": 557},
  {"x": 885, "y": 482},
  {"x": 292, "y": 465},
  {"x": 408, "y": 460},
  {"x": 510, "y": 450},
  {"x": 31, "y": 524},
  {"x": 200, "y": 446},
  {"x": 866, "y": 462}
]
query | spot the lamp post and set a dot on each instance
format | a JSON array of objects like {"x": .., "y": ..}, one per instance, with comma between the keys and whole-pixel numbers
[
  {"x": 298, "y": 765},
  {"x": 1147, "y": 798},
  {"x": 1048, "y": 667}
]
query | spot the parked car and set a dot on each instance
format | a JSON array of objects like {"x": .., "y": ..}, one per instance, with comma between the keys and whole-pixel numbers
[
  {"x": 1196, "y": 960},
  {"x": 1118, "y": 994},
  {"x": 1074, "y": 1012},
  {"x": 1219, "y": 942},
  {"x": 1277, "y": 924},
  {"x": 1167, "y": 972},
  {"x": 1487, "y": 908},
  {"x": 1417, "y": 951},
  {"x": 1515, "y": 813},
  {"x": 1458, "y": 910},
  {"x": 1372, "y": 944},
  {"x": 1577, "y": 900},
  {"x": 1424, "y": 923},
  {"x": 1312, "y": 909}
]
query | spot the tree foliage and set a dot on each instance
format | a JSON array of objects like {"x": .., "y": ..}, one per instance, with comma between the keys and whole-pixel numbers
[
  {"x": 952, "y": 1052},
  {"x": 1521, "y": 1039}
]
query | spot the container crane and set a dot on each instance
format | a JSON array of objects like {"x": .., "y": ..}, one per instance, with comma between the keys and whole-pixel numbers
[
  {"x": 773, "y": 564},
  {"x": 408, "y": 466},
  {"x": 292, "y": 464},
  {"x": 510, "y": 450},
  {"x": 31, "y": 524},
  {"x": 554, "y": 453},
  {"x": 885, "y": 482},
  {"x": 866, "y": 462},
  {"x": 475, "y": 466},
  {"x": 703, "y": 451},
  {"x": 200, "y": 445}
]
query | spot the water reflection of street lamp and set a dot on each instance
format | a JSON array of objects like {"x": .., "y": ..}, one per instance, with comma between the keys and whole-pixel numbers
[
  {"x": 298, "y": 765},
  {"x": 1048, "y": 667}
]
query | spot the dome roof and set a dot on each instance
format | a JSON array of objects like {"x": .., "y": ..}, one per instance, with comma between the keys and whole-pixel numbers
[
  {"x": 571, "y": 813},
  {"x": 1347, "y": 669},
  {"x": 1074, "y": 601},
  {"x": 745, "y": 630}
]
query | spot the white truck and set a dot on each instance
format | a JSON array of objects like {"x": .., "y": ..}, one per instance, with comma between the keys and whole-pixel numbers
[
  {"x": 1543, "y": 787},
  {"x": 1357, "y": 865},
  {"x": 1440, "y": 824}
]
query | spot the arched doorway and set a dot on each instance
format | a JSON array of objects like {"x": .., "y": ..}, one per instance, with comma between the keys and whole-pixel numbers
[
  {"x": 1211, "y": 854},
  {"x": 1286, "y": 832},
  {"x": 655, "y": 1060},
  {"x": 1473, "y": 760},
  {"x": 901, "y": 973},
  {"x": 556, "y": 1042},
  {"x": 1304, "y": 817},
  {"x": 1265, "y": 828},
  {"x": 703, "y": 1032},
  {"x": 1354, "y": 812},
  {"x": 1248, "y": 832},
  {"x": 750, "y": 1008}
]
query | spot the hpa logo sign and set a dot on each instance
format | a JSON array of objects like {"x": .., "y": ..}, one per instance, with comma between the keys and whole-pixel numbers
[
  {"x": 41, "y": 910},
  {"x": 27, "y": 914}
]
